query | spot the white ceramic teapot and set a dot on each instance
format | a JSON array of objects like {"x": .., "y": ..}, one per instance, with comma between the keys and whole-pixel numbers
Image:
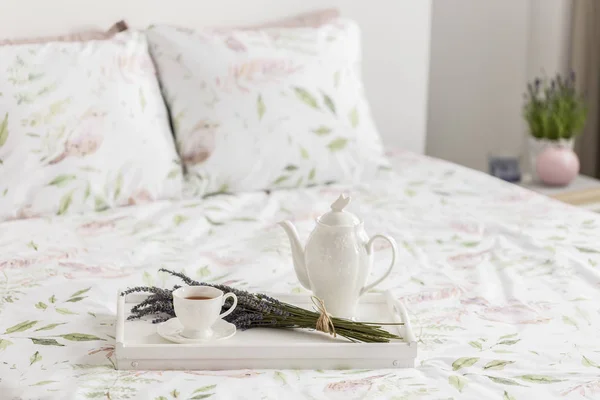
[{"x": 337, "y": 259}]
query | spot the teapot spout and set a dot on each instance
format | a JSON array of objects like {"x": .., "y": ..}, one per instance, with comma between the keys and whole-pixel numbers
[{"x": 297, "y": 253}]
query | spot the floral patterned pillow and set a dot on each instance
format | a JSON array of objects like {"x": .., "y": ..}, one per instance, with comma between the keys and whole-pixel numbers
[
  {"x": 83, "y": 127},
  {"x": 270, "y": 108}
]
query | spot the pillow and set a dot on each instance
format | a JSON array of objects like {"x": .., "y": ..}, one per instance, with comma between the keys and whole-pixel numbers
[
  {"x": 74, "y": 37},
  {"x": 271, "y": 108},
  {"x": 82, "y": 127}
]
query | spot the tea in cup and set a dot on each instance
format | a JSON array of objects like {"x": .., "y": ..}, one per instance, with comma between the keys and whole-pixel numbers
[{"x": 198, "y": 308}]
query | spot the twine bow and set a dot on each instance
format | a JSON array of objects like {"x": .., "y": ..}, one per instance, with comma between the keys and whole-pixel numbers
[{"x": 324, "y": 322}]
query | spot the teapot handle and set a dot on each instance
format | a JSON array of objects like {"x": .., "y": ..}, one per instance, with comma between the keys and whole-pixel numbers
[{"x": 369, "y": 246}]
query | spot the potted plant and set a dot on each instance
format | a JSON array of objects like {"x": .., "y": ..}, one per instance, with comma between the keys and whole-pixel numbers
[{"x": 555, "y": 113}]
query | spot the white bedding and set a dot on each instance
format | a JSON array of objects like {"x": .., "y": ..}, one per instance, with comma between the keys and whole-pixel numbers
[{"x": 502, "y": 285}]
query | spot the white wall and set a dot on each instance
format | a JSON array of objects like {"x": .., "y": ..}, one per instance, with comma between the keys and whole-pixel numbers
[{"x": 482, "y": 55}]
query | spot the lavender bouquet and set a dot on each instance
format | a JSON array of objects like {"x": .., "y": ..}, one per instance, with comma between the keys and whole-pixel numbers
[{"x": 260, "y": 311}]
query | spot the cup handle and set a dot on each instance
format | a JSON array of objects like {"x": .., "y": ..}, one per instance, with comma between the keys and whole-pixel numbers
[
  {"x": 234, "y": 297},
  {"x": 369, "y": 246}
]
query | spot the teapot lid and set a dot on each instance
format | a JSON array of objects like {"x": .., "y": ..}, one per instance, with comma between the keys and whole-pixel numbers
[{"x": 337, "y": 216}]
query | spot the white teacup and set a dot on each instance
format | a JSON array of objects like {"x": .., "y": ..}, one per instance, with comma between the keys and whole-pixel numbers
[{"x": 198, "y": 308}]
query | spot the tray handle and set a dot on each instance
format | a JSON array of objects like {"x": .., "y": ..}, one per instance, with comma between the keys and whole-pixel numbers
[
  {"x": 120, "y": 336},
  {"x": 399, "y": 313}
]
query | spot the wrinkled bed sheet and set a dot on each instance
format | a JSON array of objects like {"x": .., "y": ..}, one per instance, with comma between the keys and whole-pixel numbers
[{"x": 502, "y": 286}]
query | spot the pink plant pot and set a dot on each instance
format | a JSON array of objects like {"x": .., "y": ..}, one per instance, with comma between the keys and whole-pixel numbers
[{"x": 557, "y": 166}]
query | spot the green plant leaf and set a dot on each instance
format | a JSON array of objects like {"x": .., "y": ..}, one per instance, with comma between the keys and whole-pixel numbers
[
  {"x": 322, "y": 130},
  {"x": 42, "y": 383},
  {"x": 224, "y": 188},
  {"x": 353, "y": 117},
  {"x": 204, "y": 389},
  {"x": 203, "y": 272},
  {"x": 569, "y": 321},
  {"x": 161, "y": 398},
  {"x": 213, "y": 222},
  {"x": 588, "y": 363},
  {"x": 337, "y": 144},
  {"x": 329, "y": 103},
  {"x": 142, "y": 100},
  {"x": 4, "y": 130},
  {"x": 61, "y": 180},
  {"x": 23, "y": 326},
  {"x": 260, "y": 107},
  {"x": 509, "y": 342},
  {"x": 76, "y": 299},
  {"x": 201, "y": 396},
  {"x": 306, "y": 97},
  {"x": 65, "y": 202},
  {"x": 52, "y": 299},
  {"x": 303, "y": 153},
  {"x": 458, "y": 382},
  {"x": 80, "y": 337},
  {"x": 173, "y": 173},
  {"x": 118, "y": 185},
  {"x": 35, "y": 358},
  {"x": 311, "y": 174},
  {"x": 508, "y": 396},
  {"x": 64, "y": 311},
  {"x": 291, "y": 167},
  {"x": 503, "y": 381},
  {"x": 179, "y": 219},
  {"x": 280, "y": 376},
  {"x": 32, "y": 245},
  {"x": 80, "y": 292},
  {"x": 46, "y": 342},
  {"x": 475, "y": 344},
  {"x": 175, "y": 393},
  {"x": 4, "y": 344},
  {"x": 281, "y": 179},
  {"x": 587, "y": 250},
  {"x": 470, "y": 244},
  {"x": 40, "y": 305},
  {"x": 509, "y": 336},
  {"x": 464, "y": 362},
  {"x": 100, "y": 204},
  {"x": 497, "y": 364},
  {"x": 539, "y": 379},
  {"x": 410, "y": 192},
  {"x": 86, "y": 194},
  {"x": 147, "y": 279},
  {"x": 50, "y": 326}
]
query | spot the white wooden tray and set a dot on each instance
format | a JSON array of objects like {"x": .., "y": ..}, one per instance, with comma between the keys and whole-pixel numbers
[{"x": 139, "y": 347}]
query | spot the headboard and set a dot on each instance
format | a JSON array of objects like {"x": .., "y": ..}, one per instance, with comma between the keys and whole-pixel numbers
[{"x": 396, "y": 36}]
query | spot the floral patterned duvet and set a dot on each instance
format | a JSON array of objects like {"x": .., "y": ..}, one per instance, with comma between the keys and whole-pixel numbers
[{"x": 502, "y": 286}]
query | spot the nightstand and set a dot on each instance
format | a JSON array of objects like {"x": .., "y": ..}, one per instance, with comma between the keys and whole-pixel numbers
[{"x": 583, "y": 192}]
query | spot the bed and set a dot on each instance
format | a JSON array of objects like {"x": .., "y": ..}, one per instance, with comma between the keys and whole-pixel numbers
[{"x": 501, "y": 284}]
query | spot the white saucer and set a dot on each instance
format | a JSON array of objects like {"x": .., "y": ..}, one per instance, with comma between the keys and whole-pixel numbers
[{"x": 171, "y": 330}]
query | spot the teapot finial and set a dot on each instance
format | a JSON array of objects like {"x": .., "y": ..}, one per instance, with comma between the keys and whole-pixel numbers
[{"x": 340, "y": 203}]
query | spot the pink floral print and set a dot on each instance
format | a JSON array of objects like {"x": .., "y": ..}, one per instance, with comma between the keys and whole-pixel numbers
[{"x": 86, "y": 139}]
